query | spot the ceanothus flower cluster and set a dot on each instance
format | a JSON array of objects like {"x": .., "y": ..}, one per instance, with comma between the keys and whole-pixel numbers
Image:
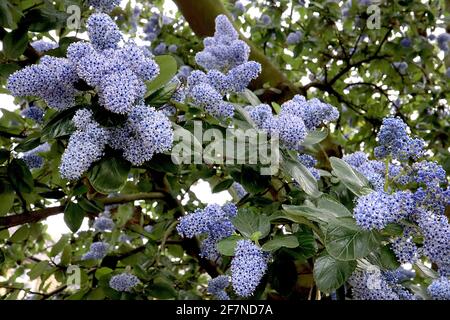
[
  {"x": 43, "y": 46},
  {"x": 97, "y": 251},
  {"x": 104, "y": 223},
  {"x": 105, "y": 6},
  {"x": 217, "y": 286},
  {"x": 33, "y": 112},
  {"x": 225, "y": 58},
  {"x": 117, "y": 74},
  {"x": 240, "y": 191},
  {"x": 411, "y": 193},
  {"x": 294, "y": 37},
  {"x": 51, "y": 80},
  {"x": 124, "y": 282},
  {"x": 297, "y": 117},
  {"x": 248, "y": 266},
  {"x": 309, "y": 162},
  {"x": 439, "y": 289},
  {"x": 214, "y": 222},
  {"x": 374, "y": 285},
  {"x": 393, "y": 140},
  {"x": 33, "y": 158},
  {"x": 86, "y": 145},
  {"x": 146, "y": 133}
]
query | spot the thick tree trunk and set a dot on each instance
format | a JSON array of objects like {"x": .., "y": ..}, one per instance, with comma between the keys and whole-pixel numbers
[{"x": 200, "y": 14}]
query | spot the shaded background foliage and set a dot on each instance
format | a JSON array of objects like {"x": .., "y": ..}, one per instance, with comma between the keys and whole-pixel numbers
[{"x": 339, "y": 60}]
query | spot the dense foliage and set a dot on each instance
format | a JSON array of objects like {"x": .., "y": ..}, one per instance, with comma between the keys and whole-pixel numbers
[{"x": 348, "y": 199}]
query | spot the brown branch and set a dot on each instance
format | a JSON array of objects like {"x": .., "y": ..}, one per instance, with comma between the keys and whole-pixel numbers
[{"x": 37, "y": 215}]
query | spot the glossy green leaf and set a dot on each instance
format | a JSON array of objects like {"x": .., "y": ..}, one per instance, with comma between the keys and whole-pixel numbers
[
  {"x": 15, "y": 43},
  {"x": 109, "y": 174},
  {"x": 248, "y": 222},
  {"x": 167, "y": 69},
  {"x": 344, "y": 240},
  {"x": 287, "y": 241},
  {"x": 330, "y": 274},
  {"x": 228, "y": 245},
  {"x": 73, "y": 216}
]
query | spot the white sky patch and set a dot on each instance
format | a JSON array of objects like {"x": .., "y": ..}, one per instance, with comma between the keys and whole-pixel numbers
[{"x": 203, "y": 192}]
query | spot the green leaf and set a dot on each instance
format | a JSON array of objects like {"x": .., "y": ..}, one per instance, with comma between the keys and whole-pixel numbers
[
  {"x": 109, "y": 174},
  {"x": 4, "y": 155},
  {"x": 314, "y": 137},
  {"x": 223, "y": 185},
  {"x": 73, "y": 216},
  {"x": 333, "y": 207},
  {"x": 15, "y": 43},
  {"x": 38, "y": 269},
  {"x": 330, "y": 274},
  {"x": 20, "y": 176},
  {"x": 300, "y": 213},
  {"x": 89, "y": 206},
  {"x": 251, "y": 97},
  {"x": 44, "y": 19},
  {"x": 60, "y": 125},
  {"x": 344, "y": 240},
  {"x": 2, "y": 257},
  {"x": 7, "y": 196},
  {"x": 351, "y": 178},
  {"x": 303, "y": 177},
  {"x": 227, "y": 245},
  {"x": 167, "y": 69},
  {"x": 162, "y": 289},
  {"x": 21, "y": 234},
  {"x": 28, "y": 144},
  {"x": 287, "y": 241},
  {"x": 102, "y": 272},
  {"x": 248, "y": 222},
  {"x": 6, "y": 17},
  {"x": 59, "y": 246},
  {"x": 253, "y": 181}
]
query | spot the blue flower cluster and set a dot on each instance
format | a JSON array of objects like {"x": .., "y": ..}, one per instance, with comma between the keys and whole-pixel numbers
[
  {"x": 405, "y": 248},
  {"x": 294, "y": 38},
  {"x": 239, "y": 189},
  {"x": 33, "y": 159},
  {"x": 118, "y": 74},
  {"x": 443, "y": 39},
  {"x": 86, "y": 145},
  {"x": 265, "y": 20},
  {"x": 377, "y": 209},
  {"x": 439, "y": 289},
  {"x": 248, "y": 266},
  {"x": 103, "y": 224},
  {"x": 436, "y": 233},
  {"x": 124, "y": 282},
  {"x": 97, "y": 251},
  {"x": 214, "y": 221},
  {"x": 310, "y": 162},
  {"x": 33, "y": 112},
  {"x": 296, "y": 118},
  {"x": 225, "y": 58},
  {"x": 217, "y": 287},
  {"x": 414, "y": 195},
  {"x": 373, "y": 170},
  {"x": 146, "y": 133},
  {"x": 393, "y": 139},
  {"x": 376, "y": 286},
  {"x": 51, "y": 80},
  {"x": 105, "y": 6},
  {"x": 43, "y": 46}
]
